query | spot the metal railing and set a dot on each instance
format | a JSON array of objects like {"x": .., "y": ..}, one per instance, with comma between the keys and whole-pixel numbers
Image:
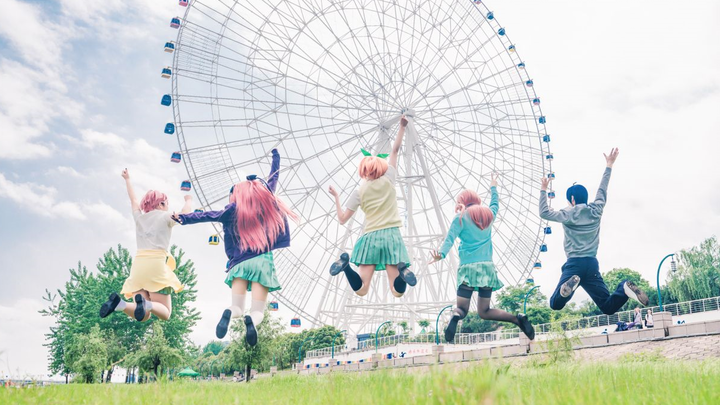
[{"x": 676, "y": 309}]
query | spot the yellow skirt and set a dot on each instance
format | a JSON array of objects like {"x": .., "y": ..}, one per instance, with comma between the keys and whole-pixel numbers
[{"x": 152, "y": 270}]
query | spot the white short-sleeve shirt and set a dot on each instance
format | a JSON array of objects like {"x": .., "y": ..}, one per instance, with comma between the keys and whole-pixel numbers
[{"x": 153, "y": 229}]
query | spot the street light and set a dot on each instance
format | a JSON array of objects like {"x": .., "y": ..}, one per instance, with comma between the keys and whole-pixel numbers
[
  {"x": 673, "y": 267},
  {"x": 526, "y": 297},
  {"x": 437, "y": 322},
  {"x": 301, "y": 345},
  {"x": 377, "y": 333},
  {"x": 332, "y": 353}
]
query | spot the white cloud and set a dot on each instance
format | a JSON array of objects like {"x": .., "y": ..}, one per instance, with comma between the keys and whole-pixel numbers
[
  {"x": 66, "y": 171},
  {"x": 94, "y": 139},
  {"x": 22, "y": 353}
]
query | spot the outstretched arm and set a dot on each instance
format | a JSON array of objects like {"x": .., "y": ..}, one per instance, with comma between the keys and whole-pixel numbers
[
  {"x": 131, "y": 192},
  {"x": 274, "y": 170},
  {"x": 392, "y": 160},
  {"x": 547, "y": 212},
  {"x": 601, "y": 196},
  {"x": 453, "y": 233},
  {"x": 343, "y": 216},
  {"x": 200, "y": 217}
]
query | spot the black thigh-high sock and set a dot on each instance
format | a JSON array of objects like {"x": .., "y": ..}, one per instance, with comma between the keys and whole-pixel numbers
[
  {"x": 353, "y": 278},
  {"x": 400, "y": 285}
]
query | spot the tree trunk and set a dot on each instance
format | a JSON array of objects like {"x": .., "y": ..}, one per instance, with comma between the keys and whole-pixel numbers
[
  {"x": 67, "y": 376},
  {"x": 109, "y": 375}
]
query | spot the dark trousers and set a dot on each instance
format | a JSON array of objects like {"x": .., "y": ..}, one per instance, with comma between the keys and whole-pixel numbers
[{"x": 592, "y": 282}]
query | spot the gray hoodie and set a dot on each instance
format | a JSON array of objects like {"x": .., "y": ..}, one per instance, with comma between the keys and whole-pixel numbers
[{"x": 581, "y": 222}]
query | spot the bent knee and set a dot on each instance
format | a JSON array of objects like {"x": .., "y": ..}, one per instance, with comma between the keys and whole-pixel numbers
[
  {"x": 397, "y": 294},
  {"x": 556, "y": 306},
  {"x": 361, "y": 292}
]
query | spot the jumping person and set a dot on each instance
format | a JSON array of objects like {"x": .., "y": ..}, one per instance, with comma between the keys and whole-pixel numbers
[
  {"x": 254, "y": 224},
  {"x": 581, "y": 222},
  {"x": 152, "y": 276},
  {"x": 473, "y": 225},
  {"x": 381, "y": 246}
]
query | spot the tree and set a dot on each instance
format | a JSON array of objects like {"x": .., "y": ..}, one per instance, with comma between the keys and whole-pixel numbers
[
  {"x": 157, "y": 355},
  {"x": 86, "y": 355},
  {"x": 474, "y": 324},
  {"x": 424, "y": 323},
  {"x": 698, "y": 275},
  {"x": 512, "y": 299},
  {"x": 244, "y": 356},
  {"x": 75, "y": 310},
  {"x": 615, "y": 276}
]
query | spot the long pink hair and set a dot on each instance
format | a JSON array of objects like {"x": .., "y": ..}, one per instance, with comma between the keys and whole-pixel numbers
[
  {"x": 260, "y": 215},
  {"x": 469, "y": 201},
  {"x": 151, "y": 200},
  {"x": 372, "y": 167}
]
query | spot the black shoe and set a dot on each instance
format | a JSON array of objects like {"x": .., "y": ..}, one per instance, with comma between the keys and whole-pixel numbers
[
  {"x": 108, "y": 307},
  {"x": 339, "y": 266},
  {"x": 451, "y": 329},
  {"x": 222, "y": 326},
  {"x": 406, "y": 275},
  {"x": 139, "y": 307},
  {"x": 526, "y": 326},
  {"x": 250, "y": 332},
  {"x": 632, "y": 291},
  {"x": 569, "y": 286}
]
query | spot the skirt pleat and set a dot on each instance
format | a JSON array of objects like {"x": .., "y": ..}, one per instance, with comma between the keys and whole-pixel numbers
[
  {"x": 479, "y": 274},
  {"x": 259, "y": 269},
  {"x": 382, "y": 247}
]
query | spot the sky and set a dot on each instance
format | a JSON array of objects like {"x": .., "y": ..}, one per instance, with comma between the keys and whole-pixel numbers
[{"x": 79, "y": 101}]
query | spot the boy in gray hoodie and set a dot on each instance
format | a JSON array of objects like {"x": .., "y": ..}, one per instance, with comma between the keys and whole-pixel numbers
[{"x": 581, "y": 222}]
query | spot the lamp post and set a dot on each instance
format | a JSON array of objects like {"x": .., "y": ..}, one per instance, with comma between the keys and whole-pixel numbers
[
  {"x": 526, "y": 297},
  {"x": 377, "y": 332},
  {"x": 301, "y": 345},
  {"x": 437, "y": 323},
  {"x": 673, "y": 266},
  {"x": 332, "y": 351}
]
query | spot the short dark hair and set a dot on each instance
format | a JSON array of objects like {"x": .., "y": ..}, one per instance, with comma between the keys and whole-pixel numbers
[{"x": 579, "y": 192}]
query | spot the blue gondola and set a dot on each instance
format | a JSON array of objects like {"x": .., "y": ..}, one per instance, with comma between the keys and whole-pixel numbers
[
  {"x": 543, "y": 248},
  {"x": 214, "y": 240},
  {"x": 501, "y": 31},
  {"x": 537, "y": 265},
  {"x": 184, "y": 3},
  {"x": 176, "y": 157},
  {"x": 175, "y": 22},
  {"x": 551, "y": 194},
  {"x": 529, "y": 83},
  {"x": 170, "y": 47},
  {"x": 490, "y": 15},
  {"x": 169, "y": 128},
  {"x": 536, "y": 101},
  {"x": 551, "y": 175},
  {"x": 166, "y": 72},
  {"x": 186, "y": 185},
  {"x": 549, "y": 156},
  {"x": 166, "y": 100},
  {"x": 530, "y": 281},
  {"x": 511, "y": 48},
  {"x": 542, "y": 120},
  {"x": 546, "y": 138},
  {"x": 295, "y": 323},
  {"x": 521, "y": 65},
  {"x": 199, "y": 210},
  {"x": 547, "y": 230},
  {"x": 274, "y": 306}
]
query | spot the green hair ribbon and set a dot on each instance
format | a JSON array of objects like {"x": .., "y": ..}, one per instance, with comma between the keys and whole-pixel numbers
[{"x": 380, "y": 155}]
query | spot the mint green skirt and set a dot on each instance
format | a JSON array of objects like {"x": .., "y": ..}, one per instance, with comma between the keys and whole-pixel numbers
[
  {"x": 381, "y": 247},
  {"x": 479, "y": 274},
  {"x": 259, "y": 269}
]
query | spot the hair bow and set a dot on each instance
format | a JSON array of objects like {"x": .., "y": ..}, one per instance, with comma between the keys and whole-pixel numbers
[{"x": 380, "y": 155}]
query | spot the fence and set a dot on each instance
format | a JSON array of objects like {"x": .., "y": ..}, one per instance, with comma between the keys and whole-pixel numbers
[{"x": 676, "y": 309}]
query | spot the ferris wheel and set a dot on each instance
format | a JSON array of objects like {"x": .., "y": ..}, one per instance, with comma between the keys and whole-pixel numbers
[{"x": 319, "y": 80}]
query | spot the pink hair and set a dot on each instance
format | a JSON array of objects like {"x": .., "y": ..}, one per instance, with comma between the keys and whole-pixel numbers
[
  {"x": 372, "y": 167},
  {"x": 260, "y": 215},
  {"x": 469, "y": 201},
  {"x": 151, "y": 200}
]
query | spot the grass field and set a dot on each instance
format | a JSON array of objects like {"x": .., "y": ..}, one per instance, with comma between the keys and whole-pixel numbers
[{"x": 639, "y": 382}]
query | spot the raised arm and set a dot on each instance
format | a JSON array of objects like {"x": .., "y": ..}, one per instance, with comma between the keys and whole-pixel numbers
[
  {"x": 131, "y": 192},
  {"x": 187, "y": 208},
  {"x": 392, "y": 160},
  {"x": 343, "y": 215},
  {"x": 274, "y": 170},
  {"x": 547, "y": 212},
  {"x": 494, "y": 199},
  {"x": 601, "y": 196}
]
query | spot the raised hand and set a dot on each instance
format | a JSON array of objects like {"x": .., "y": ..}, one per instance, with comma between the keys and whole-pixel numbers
[
  {"x": 125, "y": 174},
  {"x": 610, "y": 159},
  {"x": 188, "y": 197},
  {"x": 436, "y": 257},
  {"x": 333, "y": 192},
  {"x": 544, "y": 183},
  {"x": 403, "y": 121},
  {"x": 493, "y": 180}
]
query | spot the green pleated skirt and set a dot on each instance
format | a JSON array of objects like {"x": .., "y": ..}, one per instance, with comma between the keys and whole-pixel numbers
[
  {"x": 381, "y": 247},
  {"x": 259, "y": 269},
  {"x": 479, "y": 274}
]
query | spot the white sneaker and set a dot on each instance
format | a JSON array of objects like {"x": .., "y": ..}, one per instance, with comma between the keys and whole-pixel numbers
[{"x": 632, "y": 291}]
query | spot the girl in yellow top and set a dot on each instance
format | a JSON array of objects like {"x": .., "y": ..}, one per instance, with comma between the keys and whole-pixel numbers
[
  {"x": 381, "y": 246},
  {"x": 152, "y": 276}
]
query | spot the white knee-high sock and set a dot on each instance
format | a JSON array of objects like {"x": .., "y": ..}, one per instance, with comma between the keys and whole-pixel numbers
[
  {"x": 257, "y": 311},
  {"x": 121, "y": 305},
  {"x": 238, "y": 305}
]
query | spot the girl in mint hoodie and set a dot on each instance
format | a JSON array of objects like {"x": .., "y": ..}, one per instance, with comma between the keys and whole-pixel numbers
[{"x": 473, "y": 225}]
